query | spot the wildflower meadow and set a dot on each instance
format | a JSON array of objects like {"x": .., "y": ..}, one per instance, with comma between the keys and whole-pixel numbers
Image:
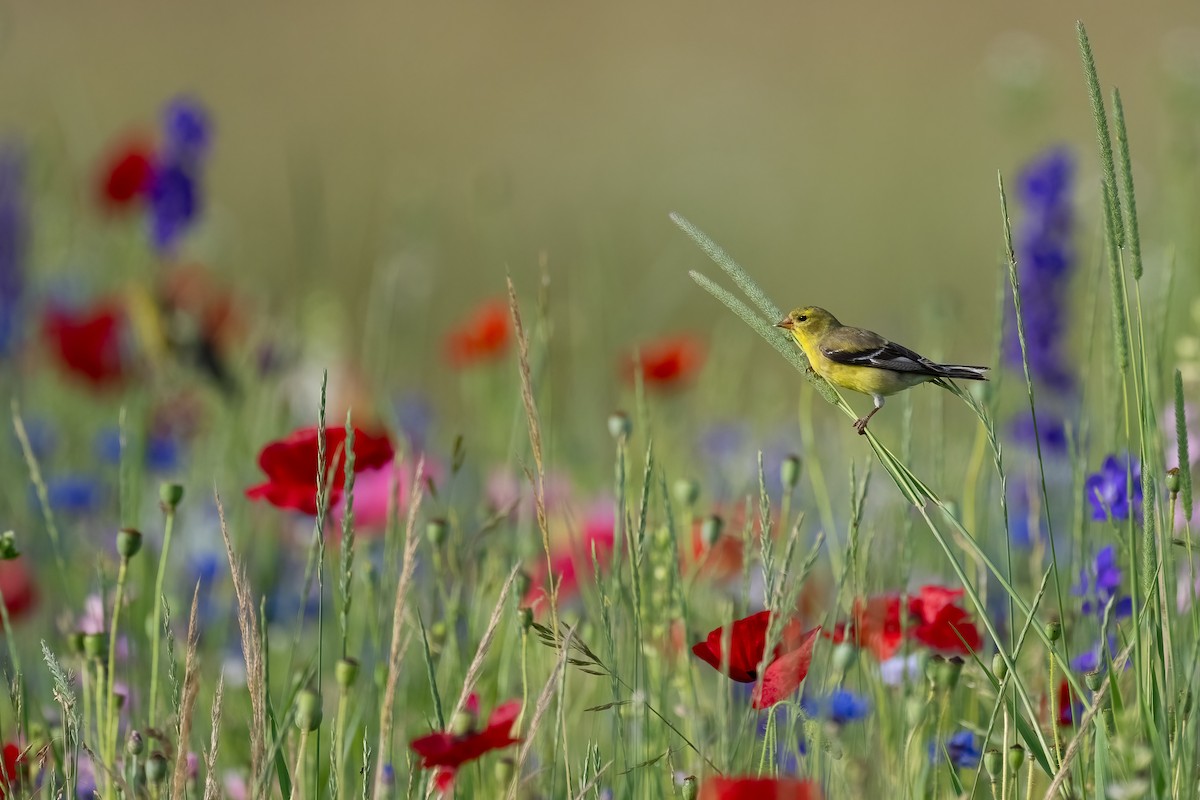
[{"x": 246, "y": 554}]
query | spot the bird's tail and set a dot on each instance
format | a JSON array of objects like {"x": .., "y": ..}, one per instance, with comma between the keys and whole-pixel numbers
[{"x": 963, "y": 372}]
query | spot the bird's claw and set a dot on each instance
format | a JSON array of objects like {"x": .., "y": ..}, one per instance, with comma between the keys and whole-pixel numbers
[
  {"x": 809, "y": 370},
  {"x": 860, "y": 425}
]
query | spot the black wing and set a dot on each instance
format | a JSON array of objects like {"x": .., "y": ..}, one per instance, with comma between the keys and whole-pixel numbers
[{"x": 858, "y": 347}]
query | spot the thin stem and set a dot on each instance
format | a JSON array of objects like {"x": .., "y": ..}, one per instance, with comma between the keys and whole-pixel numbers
[
  {"x": 156, "y": 629},
  {"x": 109, "y": 737}
]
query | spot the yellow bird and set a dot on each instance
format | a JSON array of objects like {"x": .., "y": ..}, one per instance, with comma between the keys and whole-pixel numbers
[{"x": 862, "y": 360}]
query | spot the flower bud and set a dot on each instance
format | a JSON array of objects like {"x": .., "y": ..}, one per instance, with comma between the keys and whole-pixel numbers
[
  {"x": 1054, "y": 630},
  {"x": 1173, "y": 480},
  {"x": 156, "y": 768},
  {"x": 789, "y": 471},
  {"x": 619, "y": 426},
  {"x": 346, "y": 672},
  {"x": 504, "y": 771},
  {"x": 999, "y": 667},
  {"x": 844, "y": 656},
  {"x": 687, "y": 492},
  {"x": 1094, "y": 679},
  {"x": 462, "y": 723},
  {"x": 932, "y": 667},
  {"x": 948, "y": 672},
  {"x": 435, "y": 531},
  {"x": 710, "y": 529},
  {"x": 525, "y": 618},
  {"x": 8, "y": 546},
  {"x": 437, "y": 635},
  {"x": 95, "y": 645},
  {"x": 129, "y": 542},
  {"x": 993, "y": 762},
  {"x": 76, "y": 642},
  {"x": 522, "y": 583},
  {"x": 134, "y": 744},
  {"x": 691, "y": 789},
  {"x": 1016, "y": 758},
  {"x": 169, "y": 494},
  {"x": 308, "y": 710}
]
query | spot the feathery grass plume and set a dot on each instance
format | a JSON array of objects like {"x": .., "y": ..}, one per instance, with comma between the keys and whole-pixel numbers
[
  {"x": 64, "y": 695},
  {"x": 347, "y": 549},
  {"x": 252, "y": 653},
  {"x": 187, "y": 705},
  {"x": 1126, "y": 168},
  {"x": 1116, "y": 279},
  {"x": 211, "y": 788},
  {"x": 399, "y": 643},
  {"x": 1112, "y": 203},
  {"x": 43, "y": 494},
  {"x": 485, "y": 644},
  {"x": 1181, "y": 443}
]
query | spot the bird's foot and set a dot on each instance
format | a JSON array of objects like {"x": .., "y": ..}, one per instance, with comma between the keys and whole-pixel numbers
[
  {"x": 809, "y": 370},
  {"x": 860, "y": 425}
]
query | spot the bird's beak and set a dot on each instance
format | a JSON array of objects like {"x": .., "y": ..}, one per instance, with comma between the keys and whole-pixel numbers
[{"x": 785, "y": 323}]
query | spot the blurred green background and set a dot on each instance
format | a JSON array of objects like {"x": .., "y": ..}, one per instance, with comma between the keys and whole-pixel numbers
[{"x": 399, "y": 157}]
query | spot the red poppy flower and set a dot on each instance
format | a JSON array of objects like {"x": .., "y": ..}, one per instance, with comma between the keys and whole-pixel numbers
[
  {"x": 934, "y": 620},
  {"x": 482, "y": 337},
  {"x": 126, "y": 175},
  {"x": 758, "y": 789},
  {"x": 13, "y": 766},
  {"x": 448, "y": 751},
  {"x": 573, "y": 560},
  {"x": 667, "y": 363},
  {"x": 1066, "y": 705},
  {"x": 20, "y": 593},
  {"x": 747, "y": 639},
  {"x": 291, "y": 466},
  {"x": 87, "y": 343}
]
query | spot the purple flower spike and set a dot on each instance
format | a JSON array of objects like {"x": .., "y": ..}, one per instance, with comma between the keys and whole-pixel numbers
[
  {"x": 187, "y": 128},
  {"x": 1115, "y": 492}
]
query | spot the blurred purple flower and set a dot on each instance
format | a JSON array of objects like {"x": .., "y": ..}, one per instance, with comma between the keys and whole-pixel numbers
[
  {"x": 960, "y": 747},
  {"x": 174, "y": 204},
  {"x": 163, "y": 452},
  {"x": 187, "y": 128},
  {"x": 71, "y": 494},
  {"x": 1045, "y": 262},
  {"x": 1116, "y": 490},
  {"x": 1091, "y": 660},
  {"x": 1100, "y": 583},
  {"x": 14, "y": 243}
]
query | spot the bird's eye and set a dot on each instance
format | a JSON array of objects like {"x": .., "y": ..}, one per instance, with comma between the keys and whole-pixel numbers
[{"x": 801, "y": 318}]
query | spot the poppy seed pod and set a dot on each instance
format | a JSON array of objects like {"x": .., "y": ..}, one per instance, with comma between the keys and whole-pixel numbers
[
  {"x": 687, "y": 492},
  {"x": 1173, "y": 480},
  {"x": 135, "y": 745},
  {"x": 95, "y": 645},
  {"x": 169, "y": 494},
  {"x": 999, "y": 667},
  {"x": 462, "y": 723},
  {"x": 504, "y": 771},
  {"x": 1016, "y": 758},
  {"x": 789, "y": 471},
  {"x": 1054, "y": 630},
  {"x": 129, "y": 542},
  {"x": 435, "y": 531},
  {"x": 993, "y": 762},
  {"x": 346, "y": 672},
  {"x": 710, "y": 529},
  {"x": 308, "y": 710},
  {"x": 619, "y": 425},
  {"x": 1094, "y": 679},
  {"x": 156, "y": 768},
  {"x": 8, "y": 546},
  {"x": 691, "y": 789}
]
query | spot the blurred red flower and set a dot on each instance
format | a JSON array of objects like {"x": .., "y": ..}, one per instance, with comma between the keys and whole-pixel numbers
[
  {"x": 573, "y": 559},
  {"x": 747, "y": 642},
  {"x": 483, "y": 336},
  {"x": 667, "y": 363},
  {"x": 291, "y": 466},
  {"x": 87, "y": 342},
  {"x": 1066, "y": 705},
  {"x": 13, "y": 765},
  {"x": 758, "y": 789},
  {"x": 20, "y": 592},
  {"x": 448, "y": 751},
  {"x": 935, "y": 620},
  {"x": 126, "y": 175}
]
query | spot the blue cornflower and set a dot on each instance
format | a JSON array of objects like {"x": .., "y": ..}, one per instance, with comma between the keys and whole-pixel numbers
[
  {"x": 72, "y": 494},
  {"x": 1116, "y": 490},
  {"x": 839, "y": 707},
  {"x": 1100, "y": 583},
  {"x": 163, "y": 452},
  {"x": 1091, "y": 660},
  {"x": 14, "y": 243},
  {"x": 187, "y": 128},
  {"x": 174, "y": 203},
  {"x": 1051, "y": 431},
  {"x": 960, "y": 747},
  {"x": 43, "y": 438},
  {"x": 1045, "y": 258}
]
